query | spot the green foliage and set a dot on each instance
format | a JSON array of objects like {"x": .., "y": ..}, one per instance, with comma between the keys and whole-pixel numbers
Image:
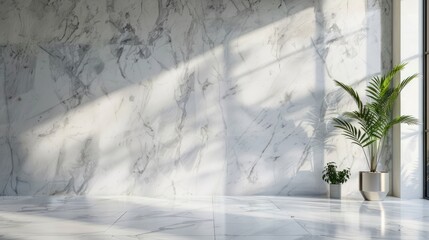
[
  {"x": 332, "y": 176},
  {"x": 368, "y": 126}
]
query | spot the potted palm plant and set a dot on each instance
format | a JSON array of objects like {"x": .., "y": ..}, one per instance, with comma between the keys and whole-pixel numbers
[
  {"x": 335, "y": 178},
  {"x": 369, "y": 124}
]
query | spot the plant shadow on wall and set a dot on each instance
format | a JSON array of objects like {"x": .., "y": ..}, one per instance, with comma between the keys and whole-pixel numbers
[{"x": 207, "y": 106}]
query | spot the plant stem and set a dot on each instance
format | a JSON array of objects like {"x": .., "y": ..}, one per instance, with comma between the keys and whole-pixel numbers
[
  {"x": 366, "y": 157},
  {"x": 373, "y": 155},
  {"x": 380, "y": 146}
]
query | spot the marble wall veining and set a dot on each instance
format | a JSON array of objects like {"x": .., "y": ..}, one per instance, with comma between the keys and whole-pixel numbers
[{"x": 174, "y": 97}]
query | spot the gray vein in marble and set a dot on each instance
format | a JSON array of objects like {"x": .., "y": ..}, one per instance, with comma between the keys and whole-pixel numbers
[
  {"x": 19, "y": 74},
  {"x": 69, "y": 63},
  {"x": 250, "y": 176},
  {"x": 163, "y": 98}
]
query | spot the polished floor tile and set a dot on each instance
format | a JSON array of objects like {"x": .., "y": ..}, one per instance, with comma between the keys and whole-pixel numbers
[{"x": 211, "y": 218}]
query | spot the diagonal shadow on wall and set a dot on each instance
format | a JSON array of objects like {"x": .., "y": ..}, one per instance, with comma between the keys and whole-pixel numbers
[{"x": 168, "y": 98}]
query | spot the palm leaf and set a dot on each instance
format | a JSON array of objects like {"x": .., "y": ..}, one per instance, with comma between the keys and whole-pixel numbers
[
  {"x": 373, "y": 89},
  {"x": 351, "y": 92},
  {"x": 357, "y": 136},
  {"x": 397, "y": 91},
  {"x": 406, "y": 119},
  {"x": 379, "y": 88}
]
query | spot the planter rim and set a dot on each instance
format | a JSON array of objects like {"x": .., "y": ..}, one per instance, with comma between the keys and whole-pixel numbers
[{"x": 374, "y": 172}]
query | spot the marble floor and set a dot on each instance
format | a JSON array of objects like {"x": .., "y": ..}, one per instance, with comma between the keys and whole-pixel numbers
[{"x": 214, "y": 218}]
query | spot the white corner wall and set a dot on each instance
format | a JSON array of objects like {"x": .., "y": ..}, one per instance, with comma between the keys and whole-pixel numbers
[{"x": 408, "y": 140}]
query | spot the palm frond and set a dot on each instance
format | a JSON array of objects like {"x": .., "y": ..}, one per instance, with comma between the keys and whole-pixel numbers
[
  {"x": 407, "y": 119},
  {"x": 385, "y": 85},
  {"x": 373, "y": 90},
  {"x": 368, "y": 121},
  {"x": 351, "y": 92},
  {"x": 357, "y": 136},
  {"x": 397, "y": 91},
  {"x": 386, "y": 79}
]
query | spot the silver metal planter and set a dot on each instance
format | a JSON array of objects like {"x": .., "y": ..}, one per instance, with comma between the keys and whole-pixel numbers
[
  {"x": 335, "y": 191},
  {"x": 374, "y": 186}
]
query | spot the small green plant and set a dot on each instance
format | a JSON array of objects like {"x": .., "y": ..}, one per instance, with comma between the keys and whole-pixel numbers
[{"x": 332, "y": 176}]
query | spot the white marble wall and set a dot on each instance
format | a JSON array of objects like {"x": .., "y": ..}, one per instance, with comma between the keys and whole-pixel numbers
[{"x": 171, "y": 97}]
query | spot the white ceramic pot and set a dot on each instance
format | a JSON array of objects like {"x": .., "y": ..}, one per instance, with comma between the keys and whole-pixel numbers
[{"x": 335, "y": 191}]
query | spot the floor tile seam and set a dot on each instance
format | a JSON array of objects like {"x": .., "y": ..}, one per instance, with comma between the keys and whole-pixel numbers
[
  {"x": 162, "y": 233},
  {"x": 104, "y": 234},
  {"x": 266, "y": 235},
  {"x": 301, "y": 225},
  {"x": 274, "y": 203},
  {"x": 111, "y": 225}
]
